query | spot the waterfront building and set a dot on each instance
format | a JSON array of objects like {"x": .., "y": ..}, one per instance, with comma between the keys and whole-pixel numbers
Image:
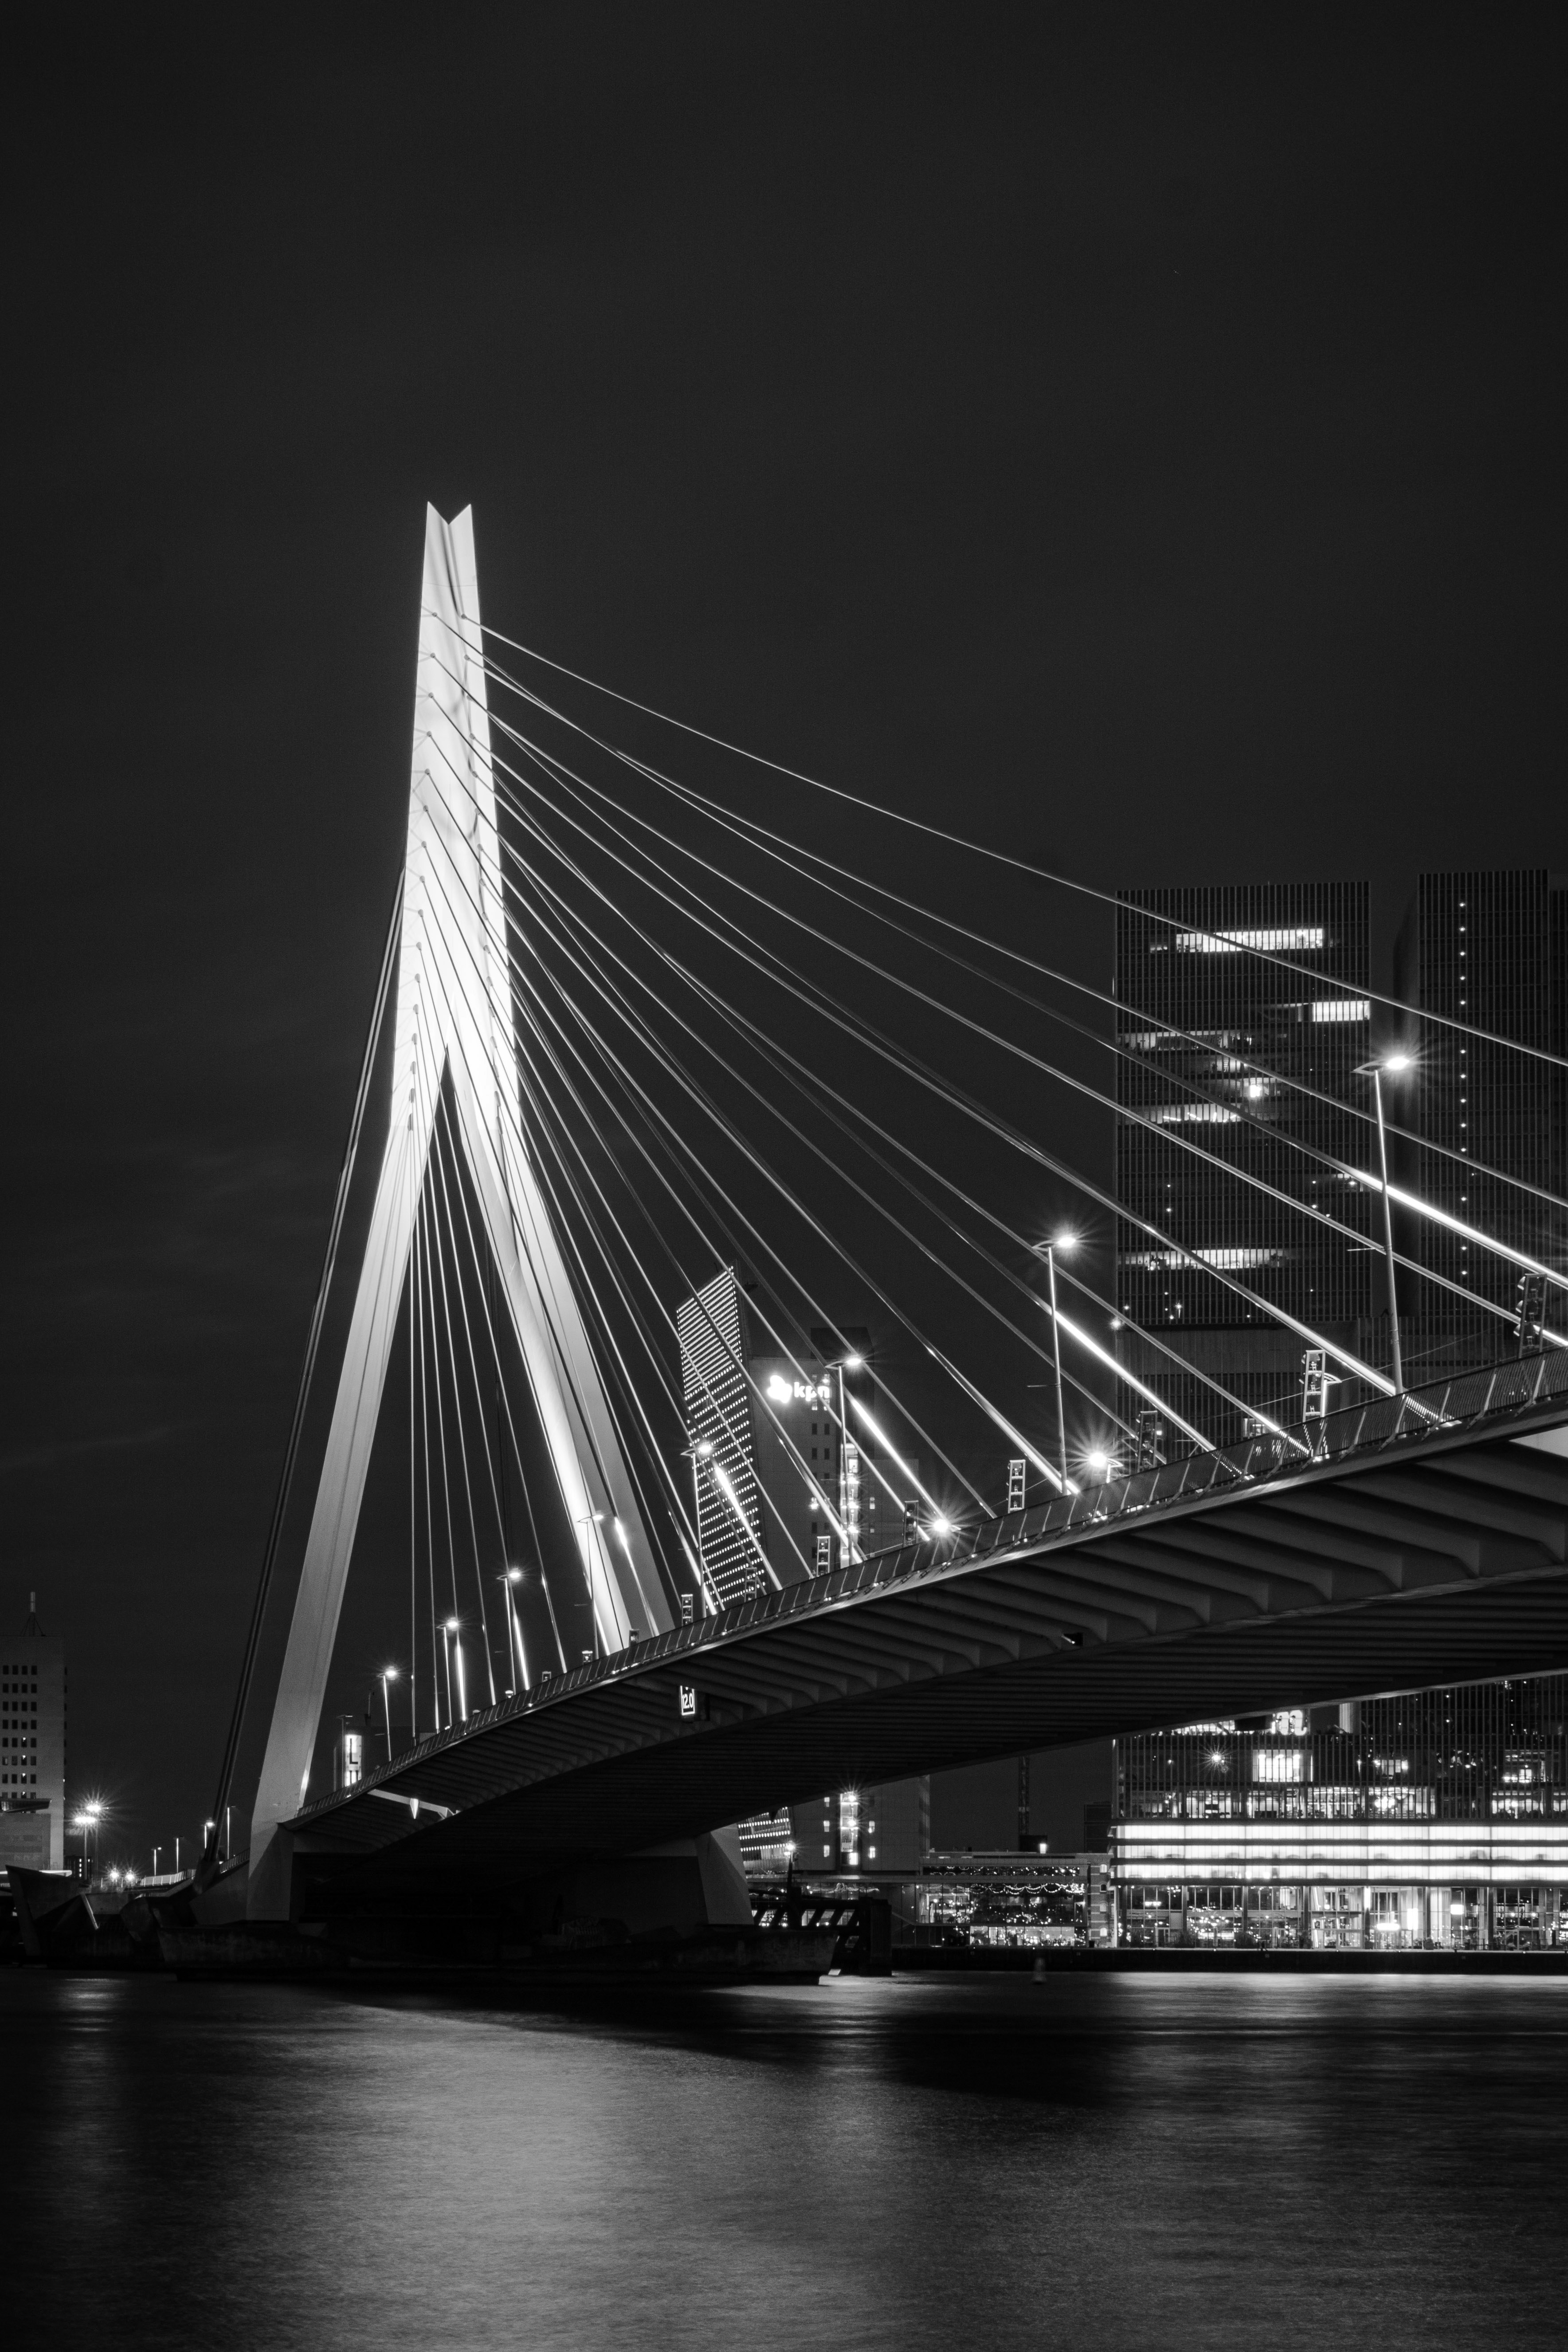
[
  {"x": 1211, "y": 1034},
  {"x": 1489, "y": 950},
  {"x": 32, "y": 1747},
  {"x": 1015, "y": 1901},
  {"x": 1433, "y": 1820}
]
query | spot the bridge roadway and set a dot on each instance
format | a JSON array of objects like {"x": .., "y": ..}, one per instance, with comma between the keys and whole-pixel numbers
[{"x": 1423, "y": 1539}]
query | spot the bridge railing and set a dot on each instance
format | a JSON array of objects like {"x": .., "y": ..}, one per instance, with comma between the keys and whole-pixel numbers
[{"x": 1496, "y": 1392}]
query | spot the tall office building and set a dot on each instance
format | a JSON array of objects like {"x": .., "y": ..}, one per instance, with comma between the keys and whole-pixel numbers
[
  {"x": 779, "y": 1485},
  {"x": 1487, "y": 949},
  {"x": 32, "y": 1747},
  {"x": 1214, "y": 1033}
]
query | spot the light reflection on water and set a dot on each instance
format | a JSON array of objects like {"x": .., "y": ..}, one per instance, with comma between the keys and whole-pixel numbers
[{"x": 1111, "y": 2161}]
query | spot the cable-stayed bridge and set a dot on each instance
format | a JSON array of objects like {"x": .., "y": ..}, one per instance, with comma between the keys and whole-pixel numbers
[{"x": 578, "y": 1118}]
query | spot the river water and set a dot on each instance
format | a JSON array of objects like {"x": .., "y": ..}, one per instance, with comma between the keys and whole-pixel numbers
[{"x": 976, "y": 2161}]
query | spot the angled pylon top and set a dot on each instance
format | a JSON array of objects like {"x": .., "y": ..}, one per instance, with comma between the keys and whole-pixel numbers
[{"x": 454, "y": 1023}]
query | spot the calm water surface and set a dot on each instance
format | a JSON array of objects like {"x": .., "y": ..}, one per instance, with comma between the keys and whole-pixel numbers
[{"x": 971, "y": 2161}]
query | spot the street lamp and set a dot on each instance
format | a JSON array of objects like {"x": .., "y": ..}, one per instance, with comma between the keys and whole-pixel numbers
[
  {"x": 509, "y": 1582},
  {"x": 86, "y": 1821},
  {"x": 454, "y": 1644},
  {"x": 1394, "y": 1063},
  {"x": 388, "y": 1674},
  {"x": 446, "y": 1661},
  {"x": 848, "y": 1506},
  {"x": 1066, "y": 1243},
  {"x": 699, "y": 1451}
]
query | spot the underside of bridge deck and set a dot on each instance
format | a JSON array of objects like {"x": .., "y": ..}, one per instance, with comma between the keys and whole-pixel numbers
[{"x": 1440, "y": 1560}]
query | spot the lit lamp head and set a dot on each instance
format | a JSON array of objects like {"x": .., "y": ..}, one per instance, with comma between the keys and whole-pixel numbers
[
  {"x": 1394, "y": 1063},
  {"x": 514, "y": 1575},
  {"x": 452, "y": 1625},
  {"x": 1097, "y": 1460},
  {"x": 389, "y": 1674}
]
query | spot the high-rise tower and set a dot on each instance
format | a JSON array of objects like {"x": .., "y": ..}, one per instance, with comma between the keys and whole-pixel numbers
[
  {"x": 1216, "y": 1032},
  {"x": 32, "y": 1746},
  {"x": 1487, "y": 949}
]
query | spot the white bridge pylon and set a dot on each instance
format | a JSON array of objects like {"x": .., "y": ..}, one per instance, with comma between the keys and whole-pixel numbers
[{"x": 454, "y": 1017}]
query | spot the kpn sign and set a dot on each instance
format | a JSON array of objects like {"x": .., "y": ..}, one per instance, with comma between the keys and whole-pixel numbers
[{"x": 783, "y": 1392}]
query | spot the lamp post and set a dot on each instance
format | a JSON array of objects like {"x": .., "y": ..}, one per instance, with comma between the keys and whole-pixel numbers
[
  {"x": 454, "y": 1642},
  {"x": 388, "y": 1674},
  {"x": 87, "y": 1822},
  {"x": 699, "y": 1451},
  {"x": 1066, "y": 1243},
  {"x": 446, "y": 1659},
  {"x": 509, "y": 1582},
  {"x": 849, "y": 1520},
  {"x": 1394, "y": 1063}
]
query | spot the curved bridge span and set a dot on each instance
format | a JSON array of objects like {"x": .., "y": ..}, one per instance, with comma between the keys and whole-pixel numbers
[{"x": 1418, "y": 1539}]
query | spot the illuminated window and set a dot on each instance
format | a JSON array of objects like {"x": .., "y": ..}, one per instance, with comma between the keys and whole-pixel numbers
[
  {"x": 1281, "y": 941},
  {"x": 1194, "y": 1114}
]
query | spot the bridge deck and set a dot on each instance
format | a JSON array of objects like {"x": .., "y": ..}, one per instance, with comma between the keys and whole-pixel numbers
[{"x": 1405, "y": 1542}]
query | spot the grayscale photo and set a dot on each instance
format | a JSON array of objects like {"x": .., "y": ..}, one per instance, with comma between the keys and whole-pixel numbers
[{"x": 784, "y": 1474}]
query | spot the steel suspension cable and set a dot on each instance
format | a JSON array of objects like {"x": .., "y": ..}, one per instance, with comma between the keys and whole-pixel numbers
[
  {"x": 795, "y": 855},
  {"x": 1005, "y": 857},
  {"x": 758, "y": 1237},
  {"x": 1363, "y": 1178},
  {"x": 867, "y": 1033},
  {"x": 677, "y": 1068},
  {"x": 735, "y": 1436},
  {"x": 554, "y": 1134},
  {"x": 1128, "y": 1114}
]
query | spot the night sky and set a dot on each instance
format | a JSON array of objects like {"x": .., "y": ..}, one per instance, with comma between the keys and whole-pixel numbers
[{"x": 1133, "y": 438}]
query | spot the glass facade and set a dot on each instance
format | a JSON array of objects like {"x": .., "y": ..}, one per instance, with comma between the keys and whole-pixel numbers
[
  {"x": 1211, "y": 1033},
  {"x": 1435, "y": 1820}
]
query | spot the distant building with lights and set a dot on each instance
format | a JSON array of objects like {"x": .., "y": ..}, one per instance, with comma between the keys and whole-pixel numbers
[
  {"x": 1489, "y": 950},
  {"x": 1006, "y": 1901},
  {"x": 32, "y": 1747},
  {"x": 1210, "y": 1035},
  {"x": 1434, "y": 1820}
]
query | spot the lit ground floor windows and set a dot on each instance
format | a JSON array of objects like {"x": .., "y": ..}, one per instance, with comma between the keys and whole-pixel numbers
[{"x": 1354, "y": 1917}]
